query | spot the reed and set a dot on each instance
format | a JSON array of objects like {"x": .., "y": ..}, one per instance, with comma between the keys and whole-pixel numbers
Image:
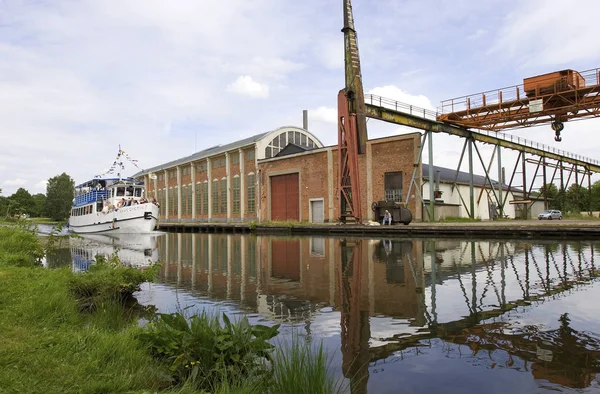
[{"x": 301, "y": 368}]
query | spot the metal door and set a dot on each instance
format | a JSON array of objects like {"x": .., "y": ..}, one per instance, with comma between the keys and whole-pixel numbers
[
  {"x": 285, "y": 198},
  {"x": 318, "y": 215}
]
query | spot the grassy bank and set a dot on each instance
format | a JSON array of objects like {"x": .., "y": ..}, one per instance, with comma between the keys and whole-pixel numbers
[
  {"x": 78, "y": 333},
  {"x": 48, "y": 346},
  {"x": 48, "y": 221}
]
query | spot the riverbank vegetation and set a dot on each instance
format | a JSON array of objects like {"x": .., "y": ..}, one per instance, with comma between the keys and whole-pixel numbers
[{"x": 80, "y": 332}]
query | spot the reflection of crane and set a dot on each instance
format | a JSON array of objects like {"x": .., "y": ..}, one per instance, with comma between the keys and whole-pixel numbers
[
  {"x": 352, "y": 124},
  {"x": 354, "y": 317},
  {"x": 555, "y": 97}
]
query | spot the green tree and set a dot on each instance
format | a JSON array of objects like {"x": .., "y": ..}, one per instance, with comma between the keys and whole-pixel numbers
[
  {"x": 550, "y": 191},
  {"x": 596, "y": 196},
  {"x": 39, "y": 201},
  {"x": 577, "y": 199},
  {"x": 4, "y": 206},
  {"x": 59, "y": 196},
  {"x": 22, "y": 202}
]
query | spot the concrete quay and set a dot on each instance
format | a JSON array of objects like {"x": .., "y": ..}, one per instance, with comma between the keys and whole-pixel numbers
[{"x": 556, "y": 229}]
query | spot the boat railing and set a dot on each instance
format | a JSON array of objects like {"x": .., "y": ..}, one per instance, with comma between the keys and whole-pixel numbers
[{"x": 92, "y": 196}]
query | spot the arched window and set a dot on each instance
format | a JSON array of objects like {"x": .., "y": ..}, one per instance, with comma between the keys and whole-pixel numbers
[
  {"x": 224, "y": 195},
  {"x": 251, "y": 197},
  {"x": 235, "y": 189},
  {"x": 215, "y": 196},
  {"x": 199, "y": 196},
  {"x": 282, "y": 140},
  {"x": 205, "y": 198},
  {"x": 172, "y": 202}
]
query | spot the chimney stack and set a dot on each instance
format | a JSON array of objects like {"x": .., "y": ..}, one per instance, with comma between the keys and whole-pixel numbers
[{"x": 305, "y": 119}]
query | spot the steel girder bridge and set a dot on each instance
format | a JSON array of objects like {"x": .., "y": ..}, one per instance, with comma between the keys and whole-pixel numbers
[
  {"x": 555, "y": 97},
  {"x": 550, "y": 163}
]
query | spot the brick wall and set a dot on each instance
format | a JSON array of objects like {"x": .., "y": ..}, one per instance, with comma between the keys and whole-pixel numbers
[
  {"x": 313, "y": 179},
  {"x": 390, "y": 154}
]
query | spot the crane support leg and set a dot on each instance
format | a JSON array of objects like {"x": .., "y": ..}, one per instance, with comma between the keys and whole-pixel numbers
[{"x": 348, "y": 179}]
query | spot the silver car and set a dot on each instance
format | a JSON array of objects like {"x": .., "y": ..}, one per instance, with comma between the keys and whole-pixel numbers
[{"x": 550, "y": 214}]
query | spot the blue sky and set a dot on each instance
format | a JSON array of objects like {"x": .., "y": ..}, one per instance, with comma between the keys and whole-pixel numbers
[{"x": 79, "y": 78}]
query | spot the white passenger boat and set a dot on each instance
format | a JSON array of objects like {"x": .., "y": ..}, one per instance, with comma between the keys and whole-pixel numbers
[{"x": 112, "y": 205}]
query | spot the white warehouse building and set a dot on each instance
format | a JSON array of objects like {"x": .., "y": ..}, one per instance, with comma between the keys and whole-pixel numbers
[{"x": 452, "y": 196}]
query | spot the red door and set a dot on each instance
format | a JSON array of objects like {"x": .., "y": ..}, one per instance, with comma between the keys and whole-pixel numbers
[{"x": 285, "y": 197}]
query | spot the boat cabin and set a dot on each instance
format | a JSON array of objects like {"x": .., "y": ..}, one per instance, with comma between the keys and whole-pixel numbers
[{"x": 95, "y": 195}]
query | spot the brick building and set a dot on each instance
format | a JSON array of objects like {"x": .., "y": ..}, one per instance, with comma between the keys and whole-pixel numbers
[
  {"x": 282, "y": 175},
  {"x": 219, "y": 184},
  {"x": 302, "y": 186}
]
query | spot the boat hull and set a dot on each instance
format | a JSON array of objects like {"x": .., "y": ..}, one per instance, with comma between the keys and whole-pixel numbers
[{"x": 138, "y": 218}]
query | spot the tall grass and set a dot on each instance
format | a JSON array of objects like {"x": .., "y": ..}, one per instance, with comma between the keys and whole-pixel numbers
[
  {"x": 299, "y": 368},
  {"x": 19, "y": 247},
  {"x": 48, "y": 346}
]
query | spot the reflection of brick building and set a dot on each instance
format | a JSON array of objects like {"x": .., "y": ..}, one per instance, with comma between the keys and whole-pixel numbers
[
  {"x": 241, "y": 267},
  {"x": 388, "y": 284},
  {"x": 221, "y": 266}
]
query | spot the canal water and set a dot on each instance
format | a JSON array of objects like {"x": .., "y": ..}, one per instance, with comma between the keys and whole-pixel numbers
[{"x": 395, "y": 315}]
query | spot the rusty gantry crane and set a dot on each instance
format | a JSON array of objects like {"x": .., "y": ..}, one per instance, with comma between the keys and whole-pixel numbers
[
  {"x": 352, "y": 124},
  {"x": 554, "y": 97}
]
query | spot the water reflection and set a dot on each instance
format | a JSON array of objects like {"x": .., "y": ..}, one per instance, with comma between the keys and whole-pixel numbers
[
  {"x": 135, "y": 250},
  {"x": 393, "y": 313},
  {"x": 391, "y": 297}
]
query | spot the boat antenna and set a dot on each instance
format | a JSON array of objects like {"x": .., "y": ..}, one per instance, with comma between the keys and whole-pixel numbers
[{"x": 118, "y": 165}]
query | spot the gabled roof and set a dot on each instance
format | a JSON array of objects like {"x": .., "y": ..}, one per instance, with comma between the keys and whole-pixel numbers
[
  {"x": 447, "y": 175},
  {"x": 291, "y": 149},
  {"x": 215, "y": 150}
]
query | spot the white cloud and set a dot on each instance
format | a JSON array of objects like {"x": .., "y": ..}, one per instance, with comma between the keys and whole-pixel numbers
[
  {"x": 477, "y": 34},
  {"x": 324, "y": 114},
  {"x": 329, "y": 50},
  {"x": 78, "y": 79},
  {"x": 536, "y": 34},
  {"x": 15, "y": 182},
  {"x": 41, "y": 185},
  {"x": 246, "y": 86},
  {"x": 395, "y": 93}
]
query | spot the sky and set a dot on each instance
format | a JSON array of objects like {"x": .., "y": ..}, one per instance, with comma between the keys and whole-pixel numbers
[{"x": 164, "y": 79}]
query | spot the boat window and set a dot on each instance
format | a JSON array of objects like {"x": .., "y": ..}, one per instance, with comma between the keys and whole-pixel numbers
[
  {"x": 129, "y": 191},
  {"x": 138, "y": 192},
  {"x": 120, "y": 191}
]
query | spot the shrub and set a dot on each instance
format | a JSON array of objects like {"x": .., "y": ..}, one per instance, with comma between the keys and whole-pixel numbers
[
  {"x": 108, "y": 280},
  {"x": 201, "y": 352},
  {"x": 19, "y": 247}
]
